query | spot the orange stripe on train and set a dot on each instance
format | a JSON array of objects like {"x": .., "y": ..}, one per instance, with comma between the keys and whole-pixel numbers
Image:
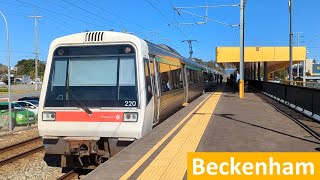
[{"x": 94, "y": 117}]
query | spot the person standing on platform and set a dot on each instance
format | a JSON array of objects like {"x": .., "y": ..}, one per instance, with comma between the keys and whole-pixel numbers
[{"x": 236, "y": 82}]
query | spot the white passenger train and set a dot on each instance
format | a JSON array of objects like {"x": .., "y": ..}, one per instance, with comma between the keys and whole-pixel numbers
[{"x": 103, "y": 90}]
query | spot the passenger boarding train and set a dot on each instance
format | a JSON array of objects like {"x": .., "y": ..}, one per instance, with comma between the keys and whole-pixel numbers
[{"x": 104, "y": 90}]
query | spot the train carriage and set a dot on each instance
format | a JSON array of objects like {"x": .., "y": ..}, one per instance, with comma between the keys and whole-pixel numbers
[{"x": 103, "y": 90}]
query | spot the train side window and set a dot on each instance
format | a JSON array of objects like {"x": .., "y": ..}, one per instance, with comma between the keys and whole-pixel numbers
[
  {"x": 59, "y": 75},
  {"x": 190, "y": 76},
  {"x": 153, "y": 78},
  {"x": 176, "y": 77},
  {"x": 166, "y": 80},
  {"x": 199, "y": 77},
  {"x": 148, "y": 80},
  {"x": 202, "y": 78},
  {"x": 194, "y": 75}
]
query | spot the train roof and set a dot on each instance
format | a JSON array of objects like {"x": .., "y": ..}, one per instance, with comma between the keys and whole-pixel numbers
[
  {"x": 161, "y": 51},
  {"x": 172, "y": 55}
]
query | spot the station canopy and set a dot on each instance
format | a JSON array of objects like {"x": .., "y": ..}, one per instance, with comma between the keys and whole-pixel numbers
[{"x": 277, "y": 57}]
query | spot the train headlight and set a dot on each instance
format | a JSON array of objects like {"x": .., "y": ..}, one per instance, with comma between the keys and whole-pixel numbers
[
  {"x": 127, "y": 50},
  {"x": 48, "y": 116},
  {"x": 130, "y": 117}
]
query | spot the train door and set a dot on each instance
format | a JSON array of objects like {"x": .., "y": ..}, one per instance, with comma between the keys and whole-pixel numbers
[
  {"x": 185, "y": 83},
  {"x": 156, "y": 87}
]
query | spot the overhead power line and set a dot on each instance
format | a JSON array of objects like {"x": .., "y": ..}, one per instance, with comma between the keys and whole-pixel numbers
[
  {"x": 93, "y": 14},
  {"x": 166, "y": 17},
  {"x": 94, "y": 5},
  {"x": 55, "y": 21},
  {"x": 206, "y": 18},
  {"x": 13, "y": 4},
  {"x": 22, "y": 52},
  {"x": 64, "y": 15}
]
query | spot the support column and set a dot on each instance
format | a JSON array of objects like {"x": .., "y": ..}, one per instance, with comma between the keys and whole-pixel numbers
[
  {"x": 265, "y": 78},
  {"x": 245, "y": 71},
  {"x": 251, "y": 70},
  {"x": 241, "y": 70},
  {"x": 298, "y": 69},
  {"x": 254, "y": 71},
  {"x": 304, "y": 72},
  {"x": 259, "y": 71}
]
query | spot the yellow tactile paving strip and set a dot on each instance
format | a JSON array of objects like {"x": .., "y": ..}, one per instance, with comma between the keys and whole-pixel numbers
[
  {"x": 171, "y": 163},
  {"x": 151, "y": 151}
]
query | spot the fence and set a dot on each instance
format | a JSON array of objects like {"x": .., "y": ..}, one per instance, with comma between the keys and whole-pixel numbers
[
  {"x": 303, "y": 97},
  {"x": 4, "y": 122},
  {"x": 302, "y": 84}
]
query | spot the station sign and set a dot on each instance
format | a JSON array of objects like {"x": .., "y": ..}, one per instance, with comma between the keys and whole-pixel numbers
[{"x": 316, "y": 68}]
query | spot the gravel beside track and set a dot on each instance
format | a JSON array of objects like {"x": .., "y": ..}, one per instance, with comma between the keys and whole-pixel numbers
[
  {"x": 16, "y": 137},
  {"x": 32, "y": 167},
  {"x": 21, "y": 149},
  {"x": 29, "y": 168}
]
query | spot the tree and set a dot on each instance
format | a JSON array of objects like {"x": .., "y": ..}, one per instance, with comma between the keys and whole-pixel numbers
[
  {"x": 27, "y": 67},
  {"x": 281, "y": 74},
  {"x": 200, "y": 61},
  {"x": 210, "y": 64},
  {"x": 3, "y": 69}
]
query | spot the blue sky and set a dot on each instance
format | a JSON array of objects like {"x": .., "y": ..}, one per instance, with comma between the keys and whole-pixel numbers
[{"x": 267, "y": 23}]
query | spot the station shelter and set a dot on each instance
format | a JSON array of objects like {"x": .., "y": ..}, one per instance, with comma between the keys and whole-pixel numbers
[{"x": 260, "y": 60}]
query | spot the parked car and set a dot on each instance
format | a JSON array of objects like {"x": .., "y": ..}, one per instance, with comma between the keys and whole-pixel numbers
[
  {"x": 33, "y": 82},
  {"x": 29, "y": 98},
  {"x": 3, "y": 84},
  {"x": 30, "y": 105},
  {"x": 20, "y": 116}
]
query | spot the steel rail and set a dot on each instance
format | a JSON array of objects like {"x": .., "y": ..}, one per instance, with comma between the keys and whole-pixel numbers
[
  {"x": 69, "y": 175},
  {"x": 21, "y": 155},
  {"x": 13, "y": 146}
]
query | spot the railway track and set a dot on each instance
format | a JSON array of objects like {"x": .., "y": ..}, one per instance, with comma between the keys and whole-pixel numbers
[
  {"x": 70, "y": 175},
  {"x": 20, "y": 150}
]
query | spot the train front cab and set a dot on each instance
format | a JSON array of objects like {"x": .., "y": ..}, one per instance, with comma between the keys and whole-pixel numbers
[{"x": 88, "y": 117}]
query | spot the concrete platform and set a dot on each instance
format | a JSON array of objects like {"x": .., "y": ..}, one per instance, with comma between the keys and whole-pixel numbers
[{"x": 214, "y": 122}]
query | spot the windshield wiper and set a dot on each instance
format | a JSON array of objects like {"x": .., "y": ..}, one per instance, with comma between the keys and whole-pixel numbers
[{"x": 76, "y": 97}]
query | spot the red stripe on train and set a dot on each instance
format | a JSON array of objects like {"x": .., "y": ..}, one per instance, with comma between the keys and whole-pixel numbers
[{"x": 94, "y": 117}]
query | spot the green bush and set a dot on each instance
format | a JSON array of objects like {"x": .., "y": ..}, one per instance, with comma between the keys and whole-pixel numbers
[{"x": 2, "y": 89}]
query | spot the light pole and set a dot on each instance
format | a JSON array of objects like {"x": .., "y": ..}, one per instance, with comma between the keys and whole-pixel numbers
[
  {"x": 241, "y": 83},
  {"x": 9, "y": 75},
  {"x": 36, "y": 49},
  {"x": 290, "y": 42}
]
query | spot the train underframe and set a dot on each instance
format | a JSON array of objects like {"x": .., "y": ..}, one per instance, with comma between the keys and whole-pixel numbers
[{"x": 82, "y": 152}]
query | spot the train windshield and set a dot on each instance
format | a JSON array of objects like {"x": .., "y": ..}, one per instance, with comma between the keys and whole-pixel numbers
[{"x": 97, "y": 76}]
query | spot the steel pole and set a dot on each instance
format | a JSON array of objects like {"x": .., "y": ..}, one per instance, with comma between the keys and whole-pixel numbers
[
  {"x": 298, "y": 44},
  {"x": 265, "y": 71},
  {"x": 9, "y": 75},
  {"x": 36, "y": 48},
  {"x": 241, "y": 83},
  {"x": 259, "y": 69},
  {"x": 36, "y": 60},
  {"x": 304, "y": 72},
  {"x": 290, "y": 42}
]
